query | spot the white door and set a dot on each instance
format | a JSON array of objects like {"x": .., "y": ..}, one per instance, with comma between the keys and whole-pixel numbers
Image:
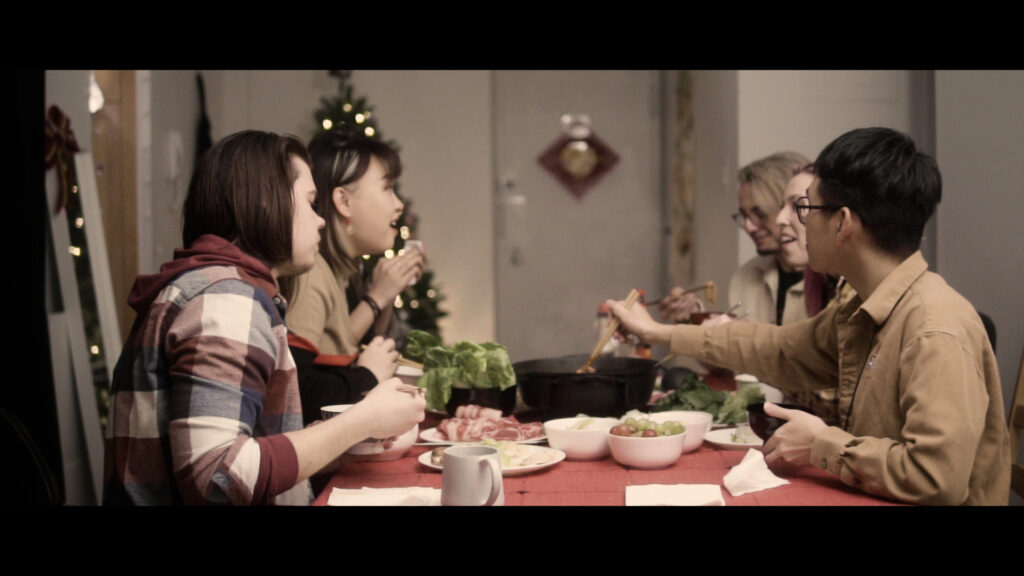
[{"x": 560, "y": 256}]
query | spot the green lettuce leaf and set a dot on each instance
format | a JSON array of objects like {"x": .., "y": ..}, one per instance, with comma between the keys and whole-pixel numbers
[
  {"x": 463, "y": 365},
  {"x": 734, "y": 409},
  {"x": 418, "y": 344},
  {"x": 438, "y": 383}
]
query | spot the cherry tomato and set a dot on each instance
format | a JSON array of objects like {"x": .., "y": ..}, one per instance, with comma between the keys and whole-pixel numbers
[{"x": 622, "y": 430}]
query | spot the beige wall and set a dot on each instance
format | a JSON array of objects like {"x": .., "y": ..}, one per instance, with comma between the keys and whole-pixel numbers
[
  {"x": 979, "y": 128},
  {"x": 744, "y": 115},
  {"x": 716, "y": 154},
  {"x": 442, "y": 121},
  {"x": 803, "y": 110}
]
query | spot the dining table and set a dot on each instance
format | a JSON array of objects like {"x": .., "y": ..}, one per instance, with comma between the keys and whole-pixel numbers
[{"x": 603, "y": 482}]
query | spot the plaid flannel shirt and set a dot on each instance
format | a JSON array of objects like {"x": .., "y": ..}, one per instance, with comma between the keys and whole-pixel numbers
[{"x": 201, "y": 394}]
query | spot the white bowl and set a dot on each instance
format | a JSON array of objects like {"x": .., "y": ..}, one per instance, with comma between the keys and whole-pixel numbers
[
  {"x": 590, "y": 443},
  {"x": 373, "y": 449},
  {"x": 653, "y": 452},
  {"x": 697, "y": 425},
  {"x": 408, "y": 374}
]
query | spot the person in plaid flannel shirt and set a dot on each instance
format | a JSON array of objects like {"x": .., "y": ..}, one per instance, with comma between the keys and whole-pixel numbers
[{"x": 205, "y": 405}]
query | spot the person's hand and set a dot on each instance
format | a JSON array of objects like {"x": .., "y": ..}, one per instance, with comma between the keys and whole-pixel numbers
[
  {"x": 393, "y": 411},
  {"x": 793, "y": 440},
  {"x": 677, "y": 306},
  {"x": 637, "y": 320},
  {"x": 380, "y": 357},
  {"x": 392, "y": 275}
]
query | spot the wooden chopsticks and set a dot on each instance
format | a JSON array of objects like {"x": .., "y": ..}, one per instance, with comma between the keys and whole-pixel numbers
[
  {"x": 613, "y": 325},
  {"x": 414, "y": 390},
  {"x": 402, "y": 360},
  {"x": 709, "y": 288}
]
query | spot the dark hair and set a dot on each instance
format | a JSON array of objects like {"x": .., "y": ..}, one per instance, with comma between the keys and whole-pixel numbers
[
  {"x": 880, "y": 174},
  {"x": 241, "y": 190},
  {"x": 340, "y": 157}
]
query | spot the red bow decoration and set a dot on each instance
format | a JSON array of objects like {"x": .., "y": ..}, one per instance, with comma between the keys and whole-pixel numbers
[{"x": 60, "y": 144}]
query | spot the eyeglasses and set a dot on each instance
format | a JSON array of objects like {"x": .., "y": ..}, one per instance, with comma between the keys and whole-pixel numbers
[
  {"x": 803, "y": 206},
  {"x": 756, "y": 217}
]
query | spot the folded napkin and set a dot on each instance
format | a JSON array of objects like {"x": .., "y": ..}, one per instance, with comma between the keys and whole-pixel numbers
[
  {"x": 751, "y": 475},
  {"x": 674, "y": 495},
  {"x": 411, "y": 496}
]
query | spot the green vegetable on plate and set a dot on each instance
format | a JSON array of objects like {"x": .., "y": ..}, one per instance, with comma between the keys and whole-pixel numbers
[{"x": 694, "y": 394}]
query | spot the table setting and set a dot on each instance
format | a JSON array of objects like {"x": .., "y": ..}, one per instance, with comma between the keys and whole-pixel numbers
[
  {"x": 579, "y": 430},
  {"x": 574, "y": 463}
]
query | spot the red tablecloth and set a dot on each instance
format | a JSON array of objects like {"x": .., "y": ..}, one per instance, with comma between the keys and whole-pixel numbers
[{"x": 603, "y": 482}]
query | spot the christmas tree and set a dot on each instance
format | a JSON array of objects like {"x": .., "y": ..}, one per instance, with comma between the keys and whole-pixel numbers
[{"x": 418, "y": 306}]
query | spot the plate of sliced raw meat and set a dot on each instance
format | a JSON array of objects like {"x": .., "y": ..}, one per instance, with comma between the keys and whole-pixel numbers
[{"x": 474, "y": 423}]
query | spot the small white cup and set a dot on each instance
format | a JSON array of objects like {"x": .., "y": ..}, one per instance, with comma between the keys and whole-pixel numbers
[
  {"x": 471, "y": 476},
  {"x": 413, "y": 245}
]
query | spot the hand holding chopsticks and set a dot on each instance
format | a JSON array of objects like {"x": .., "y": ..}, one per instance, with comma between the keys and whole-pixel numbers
[{"x": 613, "y": 325}]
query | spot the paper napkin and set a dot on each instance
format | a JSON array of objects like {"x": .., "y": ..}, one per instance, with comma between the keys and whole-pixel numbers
[
  {"x": 411, "y": 496},
  {"x": 751, "y": 475},
  {"x": 674, "y": 495}
]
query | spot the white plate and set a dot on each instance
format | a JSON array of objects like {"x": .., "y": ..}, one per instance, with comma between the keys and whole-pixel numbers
[
  {"x": 723, "y": 439},
  {"x": 556, "y": 457},
  {"x": 432, "y": 436}
]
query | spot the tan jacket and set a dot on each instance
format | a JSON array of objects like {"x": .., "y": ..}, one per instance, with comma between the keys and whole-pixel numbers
[
  {"x": 756, "y": 285},
  {"x": 318, "y": 311},
  {"x": 920, "y": 402}
]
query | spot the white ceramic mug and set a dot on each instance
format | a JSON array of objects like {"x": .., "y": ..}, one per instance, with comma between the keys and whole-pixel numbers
[{"x": 471, "y": 476}]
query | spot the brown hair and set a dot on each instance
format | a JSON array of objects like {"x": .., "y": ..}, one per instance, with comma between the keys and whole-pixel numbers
[
  {"x": 769, "y": 177},
  {"x": 340, "y": 157},
  {"x": 241, "y": 190}
]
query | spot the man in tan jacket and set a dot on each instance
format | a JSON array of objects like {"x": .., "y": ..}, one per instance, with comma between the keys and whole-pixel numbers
[{"x": 920, "y": 403}]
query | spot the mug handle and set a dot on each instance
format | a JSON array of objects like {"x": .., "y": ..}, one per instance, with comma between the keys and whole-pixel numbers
[{"x": 495, "y": 479}]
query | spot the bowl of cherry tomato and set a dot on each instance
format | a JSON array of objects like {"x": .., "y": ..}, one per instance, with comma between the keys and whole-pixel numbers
[{"x": 643, "y": 443}]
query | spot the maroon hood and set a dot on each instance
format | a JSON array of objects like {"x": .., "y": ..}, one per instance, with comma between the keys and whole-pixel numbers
[{"x": 207, "y": 250}]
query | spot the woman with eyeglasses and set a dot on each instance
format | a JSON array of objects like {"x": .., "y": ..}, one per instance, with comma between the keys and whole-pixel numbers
[
  {"x": 818, "y": 289},
  {"x": 769, "y": 286},
  {"x": 355, "y": 178}
]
